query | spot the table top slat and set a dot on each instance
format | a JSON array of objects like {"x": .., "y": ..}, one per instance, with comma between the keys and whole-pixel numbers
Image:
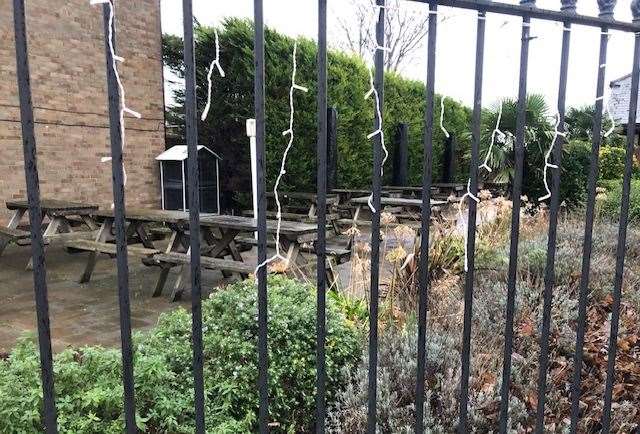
[
  {"x": 397, "y": 201},
  {"x": 332, "y": 199},
  {"x": 240, "y": 223},
  {"x": 148, "y": 215},
  {"x": 248, "y": 224},
  {"x": 55, "y": 206}
]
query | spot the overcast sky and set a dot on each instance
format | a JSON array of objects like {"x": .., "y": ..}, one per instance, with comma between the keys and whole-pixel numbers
[{"x": 456, "y": 45}]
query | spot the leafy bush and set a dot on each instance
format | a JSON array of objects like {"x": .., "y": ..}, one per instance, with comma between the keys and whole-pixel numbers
[
  {"x": 613, "y": 199},
  {"x": 576, "y": 162},
  {"x": 89, "y": 389},
  {"x": 612, "y": 161},
  {"x": 348, "y": 81}
]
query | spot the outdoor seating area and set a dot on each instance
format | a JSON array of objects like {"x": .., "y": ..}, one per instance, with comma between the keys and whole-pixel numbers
[
  {"x": 380, "y": 216},
  {"x": 160, "y": 238}
]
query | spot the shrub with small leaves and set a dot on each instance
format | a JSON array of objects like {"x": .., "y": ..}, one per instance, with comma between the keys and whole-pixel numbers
[
  {"x": 612, "y": 201},
  {"x": 89, "y": 386},
  {"x": 612, "y": 162}
]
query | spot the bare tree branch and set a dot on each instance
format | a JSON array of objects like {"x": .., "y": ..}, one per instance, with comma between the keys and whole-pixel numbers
[{"x": 405, "y": 30}]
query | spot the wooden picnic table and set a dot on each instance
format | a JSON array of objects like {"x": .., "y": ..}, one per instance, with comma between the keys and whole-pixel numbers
[
  {"x": 406, "y": 204},
  {"x": 309, "y": 200},
  {"x": 436, "y": 188},
  {"x": 60, "y": 214},
  {"x": 346, "y": 194},
  {"x": 219, "y": 233}
]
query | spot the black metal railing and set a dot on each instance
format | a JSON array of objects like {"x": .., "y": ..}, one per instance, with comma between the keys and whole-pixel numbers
[{"x": 527, "y": 11}]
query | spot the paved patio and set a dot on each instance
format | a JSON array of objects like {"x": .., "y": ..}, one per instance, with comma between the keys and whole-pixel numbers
[{"x": 81, "y": 314}]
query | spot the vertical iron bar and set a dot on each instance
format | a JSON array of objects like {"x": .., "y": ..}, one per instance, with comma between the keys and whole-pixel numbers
[
  {"x": 515, "y": 217},
  {"x": 332, "y": 148},
  {"x": 375, "y": 224},
  {"x": 549, "y": 277},
  {"x": 35, "y": 217},
  {"x": 119, "y": 222},
  {"x": 263, "y": 357},
  {"x": 191, "y": 123},
  {"x": 322, "y": 218},
  {"x": 588, "y": 235},
  {"x": 471, "y": 225},
  {"x": 423, "y": 301},
  {"x": 622, "y": 238}
]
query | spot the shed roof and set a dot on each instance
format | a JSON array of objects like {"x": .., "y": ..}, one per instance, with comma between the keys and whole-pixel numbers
[{"x": 180, "y": 153}]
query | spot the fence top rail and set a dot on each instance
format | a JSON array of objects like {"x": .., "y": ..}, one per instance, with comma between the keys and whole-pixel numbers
[{"x": 538, "y": 13}]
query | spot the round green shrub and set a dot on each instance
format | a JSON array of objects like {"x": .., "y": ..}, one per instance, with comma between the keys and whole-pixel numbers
[
  {"x": 612, "y": 161},
  {"x": 613, "y": 200},
  {"x": 89, "y": 388}
]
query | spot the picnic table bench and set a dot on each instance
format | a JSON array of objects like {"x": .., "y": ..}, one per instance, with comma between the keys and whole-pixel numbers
[
  {"x": 220, "y": 234},
  {"x": 401, "y": 207},
  {"x": 61, "y": 215}
]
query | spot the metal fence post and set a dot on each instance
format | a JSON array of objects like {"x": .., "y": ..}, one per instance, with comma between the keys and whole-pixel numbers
[{"x": 35, "y": 217}]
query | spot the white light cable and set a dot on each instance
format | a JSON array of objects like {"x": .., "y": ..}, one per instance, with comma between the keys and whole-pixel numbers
[
  {"x": 547, "y": 157},
  {"x": 123, "y": 107},
  {"x": 379, "y": 131},
  {"x": 444, "y": 130},
  {"x": 496, "y": 132},
  {"x": 373, "y": 91},
  {"x": 215, "y": 63},
  {"x": 466, "y": 226},
  {"x": 283, "y": 163}
]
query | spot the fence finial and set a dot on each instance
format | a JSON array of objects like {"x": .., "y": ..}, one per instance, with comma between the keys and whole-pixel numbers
[
  {"x": 635, "y": 10},
  {"x": 568, "y": 6},
  {"x": 606, "y": 8}
]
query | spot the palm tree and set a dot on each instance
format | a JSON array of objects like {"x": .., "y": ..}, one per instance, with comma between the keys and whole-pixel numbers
[{"x": 497, "y": 141}]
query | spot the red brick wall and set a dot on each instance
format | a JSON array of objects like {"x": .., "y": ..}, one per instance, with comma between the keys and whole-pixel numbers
[{"x": 67, "y": 61}]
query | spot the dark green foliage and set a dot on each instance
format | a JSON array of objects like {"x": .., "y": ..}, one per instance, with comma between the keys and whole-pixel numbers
[
  {"x": 612, "y": 161},
  {"x": 348, "y": 81},
  {"x": 89, "y": 388},
  {"x": 612, "y": 202},
  {"x": 579, "y": 121},
  {"x": 576, "y": 163}
]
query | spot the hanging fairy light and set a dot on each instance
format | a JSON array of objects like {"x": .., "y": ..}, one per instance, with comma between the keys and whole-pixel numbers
[
  {"x": 290, "y": 133},
  {"x": 214, "y": 63},
  {"x": 115, "y": 58}
]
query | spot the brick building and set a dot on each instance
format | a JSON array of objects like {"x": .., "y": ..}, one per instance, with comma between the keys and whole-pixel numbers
[{"x": 68, "y": 77}]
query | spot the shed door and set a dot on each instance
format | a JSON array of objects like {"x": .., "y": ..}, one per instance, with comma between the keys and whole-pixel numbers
[
  {"x": 172, "y": 178},
  {"x": 208, "y": 183}
]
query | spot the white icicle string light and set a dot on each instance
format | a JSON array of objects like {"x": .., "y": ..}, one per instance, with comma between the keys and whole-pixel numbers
[
  {"x": 547, "y": 157},
  {"x": 444, "y": 130},
  {"x": 123, "y": 106},
  {"x": 373, "y": 91},
  {"x": 379, "y": 131},
  {"x": 283, "y": 163},
  {"x": 611, "y": 118},
  {"x": 496, "y": 132},
  {"x": 466, "y": 227},
  {"x": 215, "y": 63}
]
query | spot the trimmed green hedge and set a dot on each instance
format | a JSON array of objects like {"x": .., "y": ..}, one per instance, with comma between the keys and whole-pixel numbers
[
  {"x": 348, "y": 81},
  {"x": 89, "y": 387}
]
